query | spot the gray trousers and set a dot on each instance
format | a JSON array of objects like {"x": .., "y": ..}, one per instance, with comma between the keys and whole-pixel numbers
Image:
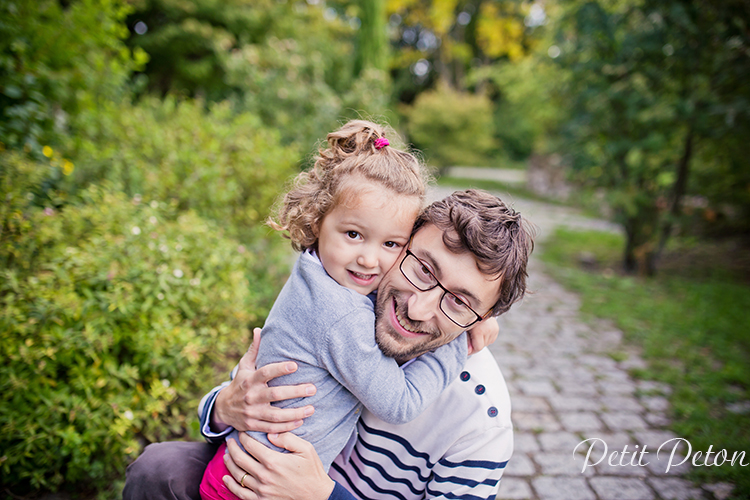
[{"x": 168, "y": 471}]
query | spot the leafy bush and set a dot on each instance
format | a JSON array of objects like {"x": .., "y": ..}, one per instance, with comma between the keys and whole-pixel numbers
[
  {"x": 115, "y": 314},
  {"x": 226, "y": 167},
  {"x": 452, "y": 128},
  {"x": 48, "y": 75}
]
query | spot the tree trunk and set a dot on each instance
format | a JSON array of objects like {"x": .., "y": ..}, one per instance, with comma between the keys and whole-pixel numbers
[
  {"x": 372, "y": 40},
  {"x": 640, "y": 243},
  {"x": 678, "y": 192},
  {"x": 630, "y": 263}
]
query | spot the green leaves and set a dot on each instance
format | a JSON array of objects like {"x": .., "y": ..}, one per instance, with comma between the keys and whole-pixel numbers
[
  {"x": 646, "y": 91},
  {"x": 452, "y": 128},
  {"x": 48, "y": 75},
  {"x": 115, "y": 313}
]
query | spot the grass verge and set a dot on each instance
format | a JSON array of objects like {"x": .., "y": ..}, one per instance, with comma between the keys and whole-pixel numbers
[{"x": 693, "y": 331}]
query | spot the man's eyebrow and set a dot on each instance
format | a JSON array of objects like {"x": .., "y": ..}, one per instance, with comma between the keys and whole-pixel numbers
[{"x": 427, "y": 255}]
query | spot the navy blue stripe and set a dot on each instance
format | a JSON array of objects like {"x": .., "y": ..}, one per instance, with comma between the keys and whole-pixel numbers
[
  {"x": 403, "y": 442},
  {"x": 375, "y": 487},
  {"x": 348, "y": 481},
  {"x": 392, "y": 456},
  {"x": 383, "y": 473},
  {"x": 479, "y": 464},
  {"x": 466, "y": 482}
]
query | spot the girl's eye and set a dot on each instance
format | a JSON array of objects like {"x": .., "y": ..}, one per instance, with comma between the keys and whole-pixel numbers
[
  {"x": 391, "y": 244},
  {"x": 352, "y": 234}
]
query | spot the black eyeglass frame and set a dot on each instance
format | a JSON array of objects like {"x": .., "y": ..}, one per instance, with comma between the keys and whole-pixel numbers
[{"x": 438, "y": 284}]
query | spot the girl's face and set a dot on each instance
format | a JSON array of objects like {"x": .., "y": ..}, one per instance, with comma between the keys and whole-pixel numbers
[{"x": 359, "y": 240}]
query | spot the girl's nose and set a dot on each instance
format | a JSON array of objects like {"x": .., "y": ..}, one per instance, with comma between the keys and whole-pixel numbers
[{"x": 368, "y": 259}]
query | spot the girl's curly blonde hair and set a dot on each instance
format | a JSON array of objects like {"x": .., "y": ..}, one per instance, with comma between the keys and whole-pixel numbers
[{"x": 351, "y": 153}]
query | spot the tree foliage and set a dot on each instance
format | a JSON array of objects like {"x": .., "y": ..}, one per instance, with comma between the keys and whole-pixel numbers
[
  {"x": 114, "y": 310},
  {"x": 654, "y": 86},
  {"x": 451, "y": 127},
  {"x": 56, "y": 63},
  {"x": 290, "y": 63}
]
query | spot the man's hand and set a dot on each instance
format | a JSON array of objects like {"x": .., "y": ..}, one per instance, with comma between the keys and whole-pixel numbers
[
  {"x": 268, "y": 474},
  {"x": 483, "y": 334},
  {"x": 245, "y": 403}
]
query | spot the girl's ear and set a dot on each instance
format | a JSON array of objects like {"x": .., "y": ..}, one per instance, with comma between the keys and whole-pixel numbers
[{"x": 315, "y": 228}]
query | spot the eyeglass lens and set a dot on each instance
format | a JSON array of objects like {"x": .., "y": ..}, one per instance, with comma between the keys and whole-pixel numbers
[{"x": 423, "y": 279}]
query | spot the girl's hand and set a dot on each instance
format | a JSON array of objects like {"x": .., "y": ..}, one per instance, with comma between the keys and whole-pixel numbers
[
  {"x": 268, "y": 474},
  {"x": 483, "y": 334},
  {"x": 245, "y": 403}
]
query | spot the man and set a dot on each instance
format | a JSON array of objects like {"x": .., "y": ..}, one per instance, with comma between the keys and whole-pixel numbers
[{"x": 466, "y": 262}]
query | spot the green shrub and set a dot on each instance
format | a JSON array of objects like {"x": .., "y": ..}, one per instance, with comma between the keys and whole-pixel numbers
[
  {"x": 450, "y": 127},
  {"x": 58, "y": 59},
  {"x": 226, "y": 167},
  {"x": 115, "y": 315}
]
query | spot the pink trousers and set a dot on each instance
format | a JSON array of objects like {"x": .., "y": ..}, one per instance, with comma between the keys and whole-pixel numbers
[{"x": 212, "y": 487}]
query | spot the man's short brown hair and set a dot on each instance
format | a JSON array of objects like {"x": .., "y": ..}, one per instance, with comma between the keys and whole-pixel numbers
[{"x": 500, "y": 239}]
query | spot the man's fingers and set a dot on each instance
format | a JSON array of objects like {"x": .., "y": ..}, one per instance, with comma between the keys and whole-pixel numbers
[
  {"x": 274, "y": 370},
  {"x": 238, "y": 473},
  {"x": 263, "y": 426},
  {"x": 239, "y": 491},
  {"x": 289, "y": 442},
  {"x": 285, "y": 415},
  {"x": 282, "y": 392}
]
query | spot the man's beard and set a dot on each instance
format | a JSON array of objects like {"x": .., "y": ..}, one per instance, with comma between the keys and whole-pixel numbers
[{"x": 390, "y": 342}]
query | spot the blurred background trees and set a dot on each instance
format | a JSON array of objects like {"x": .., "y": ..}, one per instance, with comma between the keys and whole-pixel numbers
[
  {"x": 657, "y": 90},
  {"x": 142, "y": 143}
]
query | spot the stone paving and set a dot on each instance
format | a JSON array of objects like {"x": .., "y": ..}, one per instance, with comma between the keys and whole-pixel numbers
[{"x": 567, "y": 385}]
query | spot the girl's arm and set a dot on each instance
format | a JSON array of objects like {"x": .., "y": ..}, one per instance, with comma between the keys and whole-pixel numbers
[{"x": 393, "y": 394}]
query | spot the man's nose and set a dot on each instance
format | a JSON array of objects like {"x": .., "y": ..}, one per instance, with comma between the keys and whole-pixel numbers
[{"x": 424, "y": 306}]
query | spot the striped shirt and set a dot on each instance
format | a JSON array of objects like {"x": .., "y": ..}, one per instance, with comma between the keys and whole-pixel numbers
[{"x": 458, "y": 448}]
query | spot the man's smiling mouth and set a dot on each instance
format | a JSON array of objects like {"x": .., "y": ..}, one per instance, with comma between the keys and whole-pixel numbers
[{"x": 404, "y": 323}]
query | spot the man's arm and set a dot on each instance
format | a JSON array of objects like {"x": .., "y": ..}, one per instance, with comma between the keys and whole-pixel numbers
[{"x": 244, "y": 403}]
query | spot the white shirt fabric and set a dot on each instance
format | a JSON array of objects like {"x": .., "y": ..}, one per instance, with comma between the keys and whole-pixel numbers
[{"x": 457, "y": 448}]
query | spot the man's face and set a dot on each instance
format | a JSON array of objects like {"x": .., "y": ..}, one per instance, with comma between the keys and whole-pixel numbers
[{"x": 409, "y": 322}]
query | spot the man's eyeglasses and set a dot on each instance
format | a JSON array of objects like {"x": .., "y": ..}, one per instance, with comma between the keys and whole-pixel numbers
[{"x": 419, "y": 275}]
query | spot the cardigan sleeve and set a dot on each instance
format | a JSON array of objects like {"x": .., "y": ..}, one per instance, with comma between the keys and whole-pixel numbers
[{"x": 393, "y": 394}]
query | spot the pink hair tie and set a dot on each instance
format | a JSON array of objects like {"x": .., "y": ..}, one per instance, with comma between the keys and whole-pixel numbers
[{"x": 381, "y": 142}]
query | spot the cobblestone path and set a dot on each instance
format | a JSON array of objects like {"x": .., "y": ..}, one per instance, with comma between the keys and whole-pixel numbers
[{"x": 565, "y": 388}]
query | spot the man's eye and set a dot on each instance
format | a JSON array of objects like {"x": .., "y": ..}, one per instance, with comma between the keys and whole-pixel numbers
[
  {"x": 455, "y": 302},
  {"x": 352, "y": 234}
]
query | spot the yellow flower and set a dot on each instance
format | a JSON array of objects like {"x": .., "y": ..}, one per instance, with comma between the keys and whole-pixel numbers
[
  {"x": 47, "y": 151},
  {"x": 67, "y": 167}
]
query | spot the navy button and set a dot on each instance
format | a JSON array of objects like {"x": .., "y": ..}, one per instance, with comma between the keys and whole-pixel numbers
[
  {"x": 492, "y": 412},
  {"x": 479, "y": 389},
  {"x": 465, "y": 376}
]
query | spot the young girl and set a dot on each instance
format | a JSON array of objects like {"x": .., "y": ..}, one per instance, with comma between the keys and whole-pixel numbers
[{"x": 351, "y": 215}]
